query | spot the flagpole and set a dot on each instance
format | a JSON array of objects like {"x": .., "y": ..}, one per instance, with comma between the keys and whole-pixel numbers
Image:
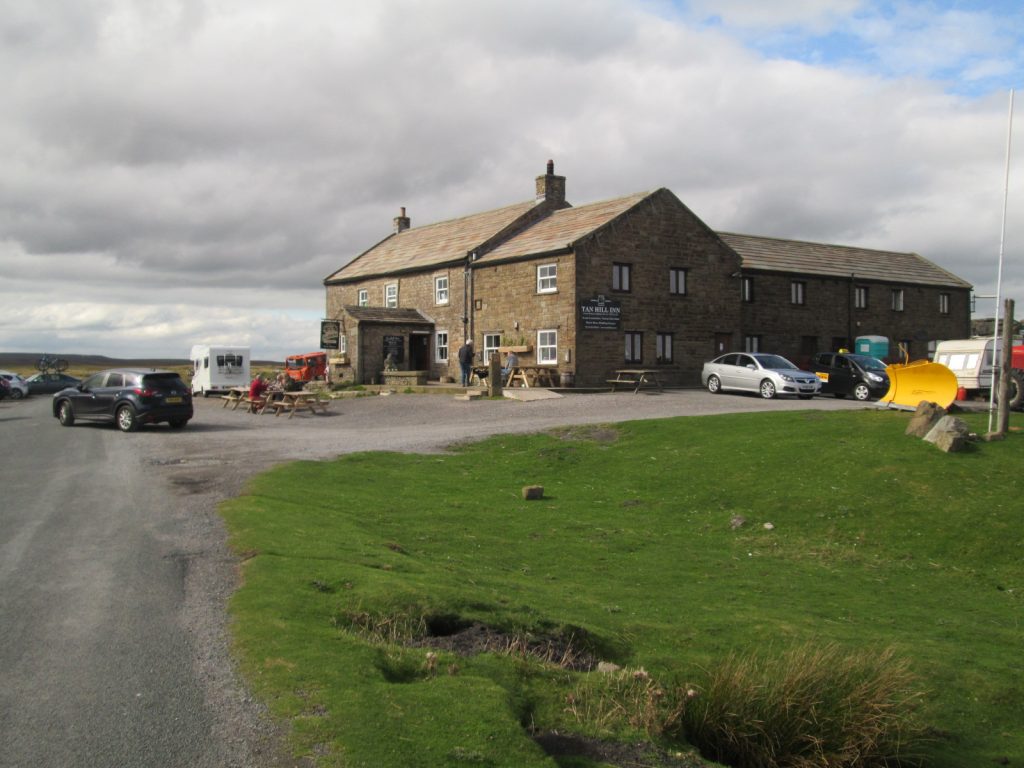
[{"x": 999, "y": 273}]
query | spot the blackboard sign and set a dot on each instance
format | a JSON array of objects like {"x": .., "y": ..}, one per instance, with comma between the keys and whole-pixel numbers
[
  {"x": 395, "y": 346},
  {"x": 600, "y": 314},
  {"x": 330, "y": 330}
]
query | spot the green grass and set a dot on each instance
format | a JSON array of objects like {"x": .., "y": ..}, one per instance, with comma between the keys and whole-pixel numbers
[{"x": 881, "y": 543}]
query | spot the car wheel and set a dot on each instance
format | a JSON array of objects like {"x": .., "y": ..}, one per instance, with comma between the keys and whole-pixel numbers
[
  {"x": 178, "y": 423},
  {"x": 714, "y": 385},
  {"x": 861, "y": 392},
  {"x": 16, "y": 394},
  {"x": 125, "y": 418},
  {"x": 767, "y": 389},
  {"x": 1016, "y": 388},
  {"x": 66, "y": 414}
]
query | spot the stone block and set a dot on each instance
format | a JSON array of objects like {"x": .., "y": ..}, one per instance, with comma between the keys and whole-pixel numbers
[
  {"x": 924, "y": 418},
  {"x": 533, "y": 492},
  {"x": 949, "y": 434}
]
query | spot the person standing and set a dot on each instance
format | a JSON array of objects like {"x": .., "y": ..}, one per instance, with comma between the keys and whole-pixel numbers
[{"x": 466, "y": 361}]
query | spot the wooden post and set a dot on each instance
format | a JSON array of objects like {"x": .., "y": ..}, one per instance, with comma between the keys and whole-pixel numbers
[
  {"x": 494, "y": 375},
  {"x": 1005, "y": 368}
]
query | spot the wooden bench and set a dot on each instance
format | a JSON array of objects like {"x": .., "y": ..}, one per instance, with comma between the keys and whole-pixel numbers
[
  {"x": 293, "y": 404},
  {"x": 635, "y": 378}
]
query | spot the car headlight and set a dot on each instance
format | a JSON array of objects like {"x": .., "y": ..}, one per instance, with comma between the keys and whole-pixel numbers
[
  {"x": 786, "y": 377},
  {"x": 875, "y": 378}
]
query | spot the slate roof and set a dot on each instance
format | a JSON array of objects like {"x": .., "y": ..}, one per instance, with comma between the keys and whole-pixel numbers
[
  {"x": 386, "y": 315},
  {"x": 778, "y": 255},
  {"x": 431, "y": 244},
  {"x": 563, "y": 228}
]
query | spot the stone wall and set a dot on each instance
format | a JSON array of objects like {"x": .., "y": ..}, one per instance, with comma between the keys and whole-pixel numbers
[
  {"x": 506, "y": 302},
  {"x": 658, "y": 235},
  {"x": 415, "y": 290},
  {"x": 828, "y": 318}
]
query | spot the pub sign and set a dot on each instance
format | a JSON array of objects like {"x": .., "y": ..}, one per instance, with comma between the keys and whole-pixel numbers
[
  {"x": 600, "y": 314},
  {"x": 330, "y": 331}
]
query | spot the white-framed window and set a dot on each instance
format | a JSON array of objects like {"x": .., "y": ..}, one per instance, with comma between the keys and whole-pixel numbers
[
  {"x": 342, "y": 344},
  {"x": 751, "y": 343},
  {"x": 547, "y": 278},
  {"x": 621, "y": 277},
  {"x": 663, "y": 349},
  {"x": 798, "y": 292},
  {"x": 943, "y": 303},
  {"x": 547, "y": 347},
  {"x": 747, "y": 290},
  {"x": 363, "y": 298},
  {"x": 441, "y": 289},
  {"x": 634, "y": 352},
  {"x": 897, "y": 299},
  {"x": 491, "y": 343},
  {"x": 391, "y": 295},
  {"x": 441, "y": 346},
  {"x": 677, "y": 281},
  {"x": 860, "y": 297}
]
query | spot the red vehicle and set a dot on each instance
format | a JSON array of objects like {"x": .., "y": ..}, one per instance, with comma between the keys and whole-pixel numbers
[{"x": 307, "y": 367}]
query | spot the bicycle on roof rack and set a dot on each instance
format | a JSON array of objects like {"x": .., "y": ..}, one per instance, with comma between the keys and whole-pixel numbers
[{"x": 50, "y": 364}]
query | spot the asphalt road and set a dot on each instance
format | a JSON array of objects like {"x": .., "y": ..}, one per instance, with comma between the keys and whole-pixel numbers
[{"x": 114, "y": 573}]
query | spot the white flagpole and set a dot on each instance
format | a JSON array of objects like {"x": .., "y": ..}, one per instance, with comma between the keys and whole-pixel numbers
[{"x": 999, "y": 273}]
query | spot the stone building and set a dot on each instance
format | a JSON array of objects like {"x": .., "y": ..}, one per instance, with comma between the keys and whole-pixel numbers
[{"x": 637, "y": 281}]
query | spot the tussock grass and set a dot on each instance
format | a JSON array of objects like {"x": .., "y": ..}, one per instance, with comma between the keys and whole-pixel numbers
[{"x": 814, "y": 706}]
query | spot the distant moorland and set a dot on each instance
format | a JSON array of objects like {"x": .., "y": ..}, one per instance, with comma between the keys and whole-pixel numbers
[{"x": 26, "y": 363}]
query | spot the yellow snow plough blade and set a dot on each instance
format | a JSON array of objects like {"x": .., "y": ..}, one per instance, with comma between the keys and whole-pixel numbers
[{"x": 910, "y": 383}]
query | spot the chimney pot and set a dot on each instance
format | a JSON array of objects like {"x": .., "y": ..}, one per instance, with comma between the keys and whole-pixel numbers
[
  {"x": 551, "y": 188},
  {"x": 401, "y": 221}
]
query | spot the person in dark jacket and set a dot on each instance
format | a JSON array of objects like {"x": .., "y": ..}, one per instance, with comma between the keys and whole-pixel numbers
[{"x": 466, "y": 361}]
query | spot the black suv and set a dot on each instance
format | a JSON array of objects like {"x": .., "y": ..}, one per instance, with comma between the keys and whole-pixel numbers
[
  {"x": 128, "y": 397},
  {"x": 845, "y": 374}
]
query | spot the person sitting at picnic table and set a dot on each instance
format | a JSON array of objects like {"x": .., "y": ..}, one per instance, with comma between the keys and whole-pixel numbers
[
  {"x": 466, "y": 361},
  {"x": 257, "y": 388},
  {"x": 511, "y": 363}
]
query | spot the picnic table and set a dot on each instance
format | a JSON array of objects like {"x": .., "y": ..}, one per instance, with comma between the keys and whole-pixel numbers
[
  {"x": 295, "y": 401},
  {"x": 236, "y": 396},
  {"x": 636, "y": 378},
  {"x": 532, "y": 376}
]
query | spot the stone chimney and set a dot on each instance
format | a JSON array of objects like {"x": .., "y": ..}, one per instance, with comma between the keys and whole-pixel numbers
[
  {"x": 551, "y": 188},
  {"x": 401, "y": 222}
]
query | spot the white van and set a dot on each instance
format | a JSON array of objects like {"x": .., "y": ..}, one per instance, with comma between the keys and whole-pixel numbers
[{"x": 217, "y": 369}]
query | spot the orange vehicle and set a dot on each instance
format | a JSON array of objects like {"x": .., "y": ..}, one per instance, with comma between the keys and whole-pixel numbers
[{"x": 307, "y": 367}]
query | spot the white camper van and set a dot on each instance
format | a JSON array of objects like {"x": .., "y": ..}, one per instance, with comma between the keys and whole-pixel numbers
[{"x": 216, "y": 369}]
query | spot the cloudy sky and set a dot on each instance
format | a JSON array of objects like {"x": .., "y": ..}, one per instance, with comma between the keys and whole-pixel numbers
[{"x": 180, "y": 171}]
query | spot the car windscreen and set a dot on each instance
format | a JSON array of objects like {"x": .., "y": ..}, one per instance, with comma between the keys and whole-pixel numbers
[
  {"x": 868, "y": 363},
  {"x": 773, "y": 361},
  {"x": 162, "y": 381}
]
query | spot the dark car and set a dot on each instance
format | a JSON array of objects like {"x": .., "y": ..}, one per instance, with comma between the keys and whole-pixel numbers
[
  {"x": 128, "y": 397},
  {"x": 47, "y": 383},
  {"x": 845, "y": 374}
]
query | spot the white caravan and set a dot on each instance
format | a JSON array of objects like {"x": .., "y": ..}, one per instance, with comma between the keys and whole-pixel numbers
[{"x": 216, "y": 369}]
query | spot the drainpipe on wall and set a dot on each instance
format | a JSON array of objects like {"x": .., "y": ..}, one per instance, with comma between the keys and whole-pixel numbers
[{"x": 467, "y": 297}]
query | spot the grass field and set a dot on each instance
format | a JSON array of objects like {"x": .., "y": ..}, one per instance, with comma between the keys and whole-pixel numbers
[{"x": 879, "y": 543}]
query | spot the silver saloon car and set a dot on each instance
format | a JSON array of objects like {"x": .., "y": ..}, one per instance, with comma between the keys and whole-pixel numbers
[{"x": 768, "y": 375}]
